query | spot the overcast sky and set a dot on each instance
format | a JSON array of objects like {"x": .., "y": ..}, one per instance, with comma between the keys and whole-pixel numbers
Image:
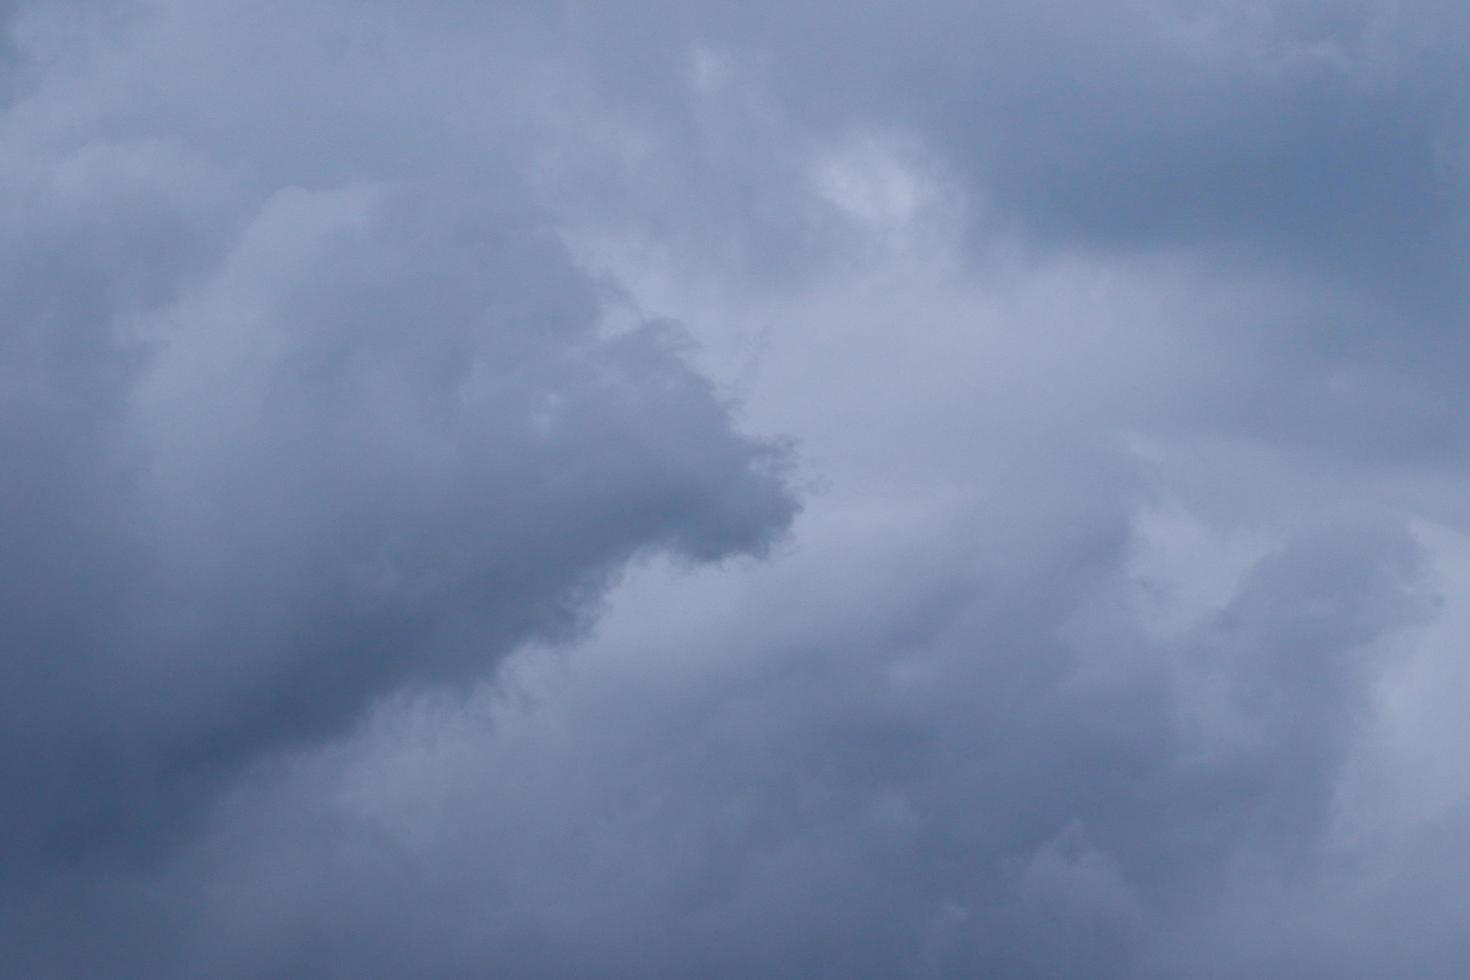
[{"x": 827, "y": 489}]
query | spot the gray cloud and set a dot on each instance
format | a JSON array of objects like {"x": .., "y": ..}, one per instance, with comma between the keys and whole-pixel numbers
[
  {"x": 389, "y": 580},
  {"x": 990, "y": 784},
  {"x": 275, "y": 454},
  {"x": 1319, "y": 135}
]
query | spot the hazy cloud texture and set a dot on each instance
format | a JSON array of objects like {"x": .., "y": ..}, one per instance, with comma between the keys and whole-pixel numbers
[{"x": 667, "y": 490}]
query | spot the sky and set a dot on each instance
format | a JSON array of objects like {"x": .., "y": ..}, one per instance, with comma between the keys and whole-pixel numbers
[{"x": 554, "y": 489}]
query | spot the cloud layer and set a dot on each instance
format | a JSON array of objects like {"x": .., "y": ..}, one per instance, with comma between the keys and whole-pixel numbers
[
  {"x": 939, "y": 490},
  {"x": 276, "y": 453}
]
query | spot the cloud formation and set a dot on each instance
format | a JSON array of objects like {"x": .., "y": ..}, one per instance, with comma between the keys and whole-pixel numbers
[
  {"x": 938, "y": 490},
  {"x": 276, "y": 453}
]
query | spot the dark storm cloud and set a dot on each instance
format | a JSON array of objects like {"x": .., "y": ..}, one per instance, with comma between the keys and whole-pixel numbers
[
  {"x": 985, "y": 785},
  {"x": 1315, "y": 151},
  {"x": 271, "y": 456},
  {"x": 1327, "y": 136},
  {"x": 1122, "y": 349}
]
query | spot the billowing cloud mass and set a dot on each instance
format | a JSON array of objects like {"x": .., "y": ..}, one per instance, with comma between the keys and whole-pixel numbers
[{"x": 834, "y": 490}]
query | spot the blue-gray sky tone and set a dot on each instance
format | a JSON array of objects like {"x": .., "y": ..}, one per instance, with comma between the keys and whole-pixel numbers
[{"x": 768, "y": 490}]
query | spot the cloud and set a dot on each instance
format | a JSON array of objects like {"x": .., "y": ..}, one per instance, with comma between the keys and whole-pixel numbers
[
  {"x": 276, "y": 453},
  {"x": 1320, "y": 136},
  {"x": 393, "y": 585},
  {"x": 863, "y": 780}
]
